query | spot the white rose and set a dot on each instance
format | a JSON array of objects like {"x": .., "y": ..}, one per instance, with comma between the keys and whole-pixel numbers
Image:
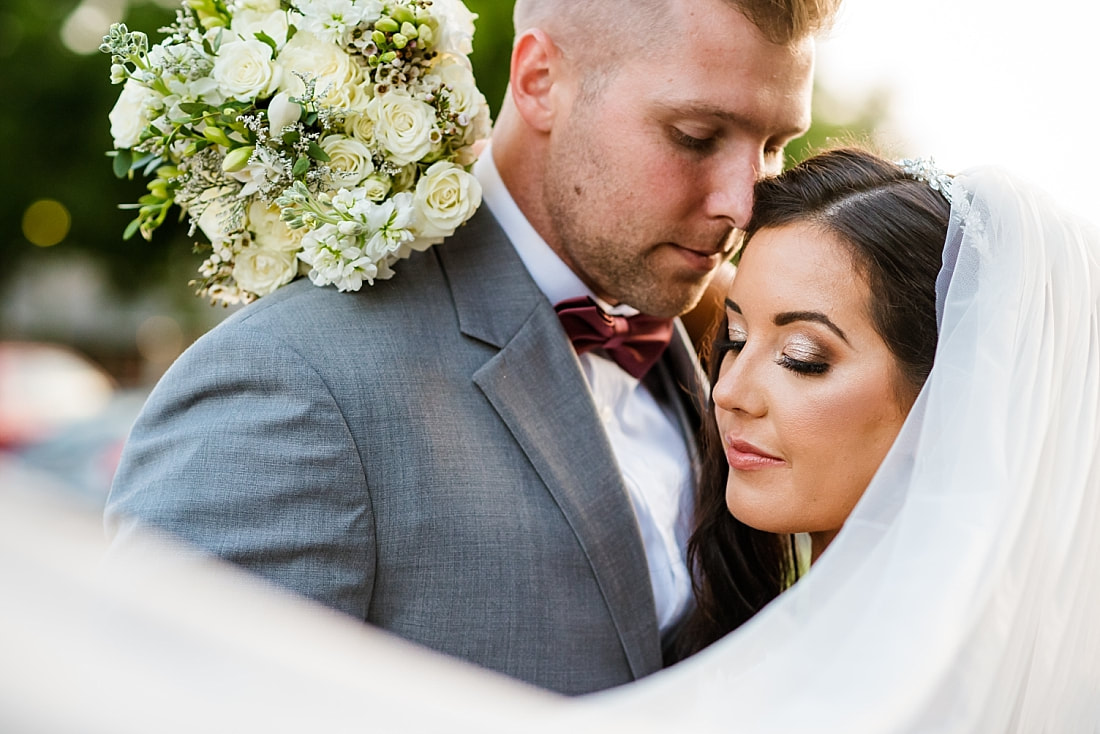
[
  {"x": 446, "y": 196},
  {"x": 462, "y": 92},
  {"x": 262, "y": 270},
  {"x": 270, "y": 260},
  {"x": 215, "y": 223},
  {"x": 375, "y": 187},
  {"x": 336, "y": 75},
  {"x": 247, "y": 23},
  {"x": 269, "y": 231},
  {"x": 350, "y": 160},
  {"x": 403, "y": 126},
  {"x": 131, "y": 114},
  {"x": 245, "y": 71},
  {"x": 455, "y": 33},
  {"x": 358, "y": 124}
]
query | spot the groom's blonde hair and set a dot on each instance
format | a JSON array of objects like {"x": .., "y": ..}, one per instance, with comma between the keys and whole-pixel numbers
[{"x": 782, "y": 22}]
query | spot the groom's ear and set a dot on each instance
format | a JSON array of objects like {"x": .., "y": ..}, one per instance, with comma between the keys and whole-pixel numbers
[{"x": 539, "y": 82}]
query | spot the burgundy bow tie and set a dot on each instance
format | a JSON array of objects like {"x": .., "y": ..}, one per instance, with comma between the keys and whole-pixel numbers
[{"x": 634, "y": 342}]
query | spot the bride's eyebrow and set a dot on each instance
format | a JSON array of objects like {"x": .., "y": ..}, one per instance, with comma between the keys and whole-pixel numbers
[
  {"x": 789, "y": 317},
  {"x": 732, "y": 306}
]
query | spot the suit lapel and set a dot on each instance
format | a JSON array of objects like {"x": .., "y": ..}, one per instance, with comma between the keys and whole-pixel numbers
[
  {"x": 536, "y": 386},
  {"x": 683, "y": 380}
]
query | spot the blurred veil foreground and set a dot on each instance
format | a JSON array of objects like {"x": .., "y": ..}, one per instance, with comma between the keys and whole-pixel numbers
[{"x": 161, "y": 640}]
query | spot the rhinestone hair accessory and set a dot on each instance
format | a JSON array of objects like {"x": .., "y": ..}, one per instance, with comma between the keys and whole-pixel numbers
[{"x": 925, "y": 169}]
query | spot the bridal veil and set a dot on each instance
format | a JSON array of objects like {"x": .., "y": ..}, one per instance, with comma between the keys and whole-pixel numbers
[{"x": 963, "y": 593}]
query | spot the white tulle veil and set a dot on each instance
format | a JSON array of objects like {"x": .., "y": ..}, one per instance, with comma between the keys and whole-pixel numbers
[{"x": 963, "y": 593}]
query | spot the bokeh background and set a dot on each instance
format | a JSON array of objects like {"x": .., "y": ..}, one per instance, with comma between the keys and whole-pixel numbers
[{"x": 88, "y": 321}]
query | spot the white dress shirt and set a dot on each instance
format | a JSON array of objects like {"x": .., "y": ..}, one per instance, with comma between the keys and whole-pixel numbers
[{"x": 645, "y": 436}]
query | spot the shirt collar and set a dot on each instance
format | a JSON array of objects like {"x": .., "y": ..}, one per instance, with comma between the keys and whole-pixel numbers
[{"x": 552, "y": 276}]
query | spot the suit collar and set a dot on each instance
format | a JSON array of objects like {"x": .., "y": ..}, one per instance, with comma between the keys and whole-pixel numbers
[{"x": 493, "y": 293}]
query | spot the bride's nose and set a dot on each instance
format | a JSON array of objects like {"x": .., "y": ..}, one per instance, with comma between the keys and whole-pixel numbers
[{"x": 738, "y": 389}]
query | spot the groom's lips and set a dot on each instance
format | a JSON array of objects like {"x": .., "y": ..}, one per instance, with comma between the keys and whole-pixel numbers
[{"x": 702, "y": 261}]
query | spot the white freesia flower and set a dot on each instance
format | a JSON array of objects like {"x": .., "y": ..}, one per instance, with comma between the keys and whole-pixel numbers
[
  {"x": 274, "y": 24},
  {"x": 131, "y": 114},
  {"x": 281, "y": 113},
  {"x": 245, "y": 70},
  {"x": 332, "y": 20},
  {"x": 456, "y": 27},
  {"x": 350, "y": 160},
  {"x": 336, "y": 260},
  {"x": 403, "y": 126},
  {"x": 446, "y": 196},
  {"x": 337, "y": 76}
]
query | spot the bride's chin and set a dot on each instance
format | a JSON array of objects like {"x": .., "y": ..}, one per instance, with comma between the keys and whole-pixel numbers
[{"x": 763, "y": 516}]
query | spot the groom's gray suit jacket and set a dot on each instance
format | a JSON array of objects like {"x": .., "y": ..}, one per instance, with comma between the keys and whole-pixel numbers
[{"x": 423, "y": 455}]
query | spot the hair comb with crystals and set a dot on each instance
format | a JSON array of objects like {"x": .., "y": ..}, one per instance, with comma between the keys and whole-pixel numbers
[{"x": 925, "y": 169}]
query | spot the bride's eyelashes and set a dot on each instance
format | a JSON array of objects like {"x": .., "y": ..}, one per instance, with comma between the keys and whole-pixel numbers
[
  {"x": 802, "y": 367},
  {"x": 803, "y": 356}
]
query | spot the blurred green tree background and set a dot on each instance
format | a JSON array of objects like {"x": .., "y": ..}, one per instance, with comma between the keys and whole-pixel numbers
[{"x": 68, "y": 275}]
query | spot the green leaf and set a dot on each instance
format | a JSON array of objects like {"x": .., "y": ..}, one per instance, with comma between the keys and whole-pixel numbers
[
  {"x": 131, "y": 229},
  {"x": 292, "y": 137},
  {"x": 261, "y": 36},
  {"x": 301, "y": 166},
  {"x": 194, "y": 108},
  {"x": 123, "y": 160},
  {"x": 318, "y": 153}
]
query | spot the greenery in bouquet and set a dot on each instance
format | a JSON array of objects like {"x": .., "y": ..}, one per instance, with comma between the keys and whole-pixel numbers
[{"x": 330, "y": 138}]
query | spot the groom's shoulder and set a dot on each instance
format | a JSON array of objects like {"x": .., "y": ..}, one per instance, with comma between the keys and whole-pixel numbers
[{"x": 304, "y": 308}]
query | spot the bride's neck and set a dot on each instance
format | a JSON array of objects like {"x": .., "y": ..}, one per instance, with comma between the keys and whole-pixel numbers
[{"x": 819, "y": 541}]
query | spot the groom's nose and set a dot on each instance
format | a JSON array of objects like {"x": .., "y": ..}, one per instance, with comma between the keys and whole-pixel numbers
[{"x": 730, "y": 188}]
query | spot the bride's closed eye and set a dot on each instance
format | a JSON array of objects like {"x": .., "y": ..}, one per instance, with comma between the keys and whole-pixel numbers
[{"x": 804, "y": 357}]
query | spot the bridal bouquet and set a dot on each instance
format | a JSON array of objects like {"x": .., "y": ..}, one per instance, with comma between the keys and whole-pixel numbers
[{"x": 322, "y": 137}]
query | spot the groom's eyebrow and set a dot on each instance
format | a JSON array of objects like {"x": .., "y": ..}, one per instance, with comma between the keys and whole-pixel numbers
[{"x": 789, "y": 317}]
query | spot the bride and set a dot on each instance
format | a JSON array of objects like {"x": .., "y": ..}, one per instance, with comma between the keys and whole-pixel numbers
[
  {"x": 909, "y": 373},
  {"x": 960, "y": 594}
]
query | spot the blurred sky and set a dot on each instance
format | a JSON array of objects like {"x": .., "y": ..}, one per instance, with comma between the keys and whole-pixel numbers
[{"x": 980, "y": 81}]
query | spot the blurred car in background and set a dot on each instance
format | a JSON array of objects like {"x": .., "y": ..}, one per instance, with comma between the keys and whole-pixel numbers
[{"x": 62, "y": 419}]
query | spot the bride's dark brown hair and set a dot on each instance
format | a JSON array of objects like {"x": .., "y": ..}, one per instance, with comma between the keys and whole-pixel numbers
[{"x": 895, "y": 228}]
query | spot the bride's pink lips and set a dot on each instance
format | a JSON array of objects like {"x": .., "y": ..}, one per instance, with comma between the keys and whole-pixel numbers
[{"x": 743, "y": 456}]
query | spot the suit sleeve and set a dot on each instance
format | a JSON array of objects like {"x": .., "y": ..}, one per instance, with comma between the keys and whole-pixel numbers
[{"x": 242, "y": 452}]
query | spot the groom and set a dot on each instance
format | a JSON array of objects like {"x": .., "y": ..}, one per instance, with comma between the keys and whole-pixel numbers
[{"x": 432, "y": 455}]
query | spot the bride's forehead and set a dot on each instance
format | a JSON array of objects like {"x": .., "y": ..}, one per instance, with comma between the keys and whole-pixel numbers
[{"x": 797, "y": 263}]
